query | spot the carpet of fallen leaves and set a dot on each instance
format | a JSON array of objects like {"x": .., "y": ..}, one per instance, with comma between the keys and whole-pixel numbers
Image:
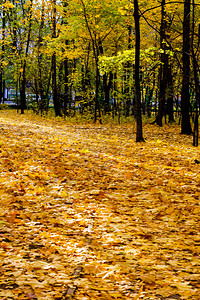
[{"x": 87, "y": 213}]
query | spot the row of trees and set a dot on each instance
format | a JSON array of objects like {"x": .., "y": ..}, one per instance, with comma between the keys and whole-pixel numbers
[{"x": 104, "y": 56}]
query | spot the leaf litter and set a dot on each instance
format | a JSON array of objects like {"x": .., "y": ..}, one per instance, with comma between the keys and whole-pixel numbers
[{"x": 90, "y": 214}]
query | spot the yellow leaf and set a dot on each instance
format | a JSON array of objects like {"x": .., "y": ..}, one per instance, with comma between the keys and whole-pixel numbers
[
  {"x": 148, "y": 278},
  {"x": 115, "y": 295},
  {"x": 128, "y": 175},
  {"x": 64, "y": 194},
  {"x": 81, "y": 243},
  {"x": 158, "y": 141}
]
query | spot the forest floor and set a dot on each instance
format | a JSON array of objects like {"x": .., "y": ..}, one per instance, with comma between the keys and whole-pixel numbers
[{"x": 87, "y": 213}]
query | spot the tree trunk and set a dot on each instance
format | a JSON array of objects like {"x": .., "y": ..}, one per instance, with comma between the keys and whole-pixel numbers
[
  {"x": 42, "y": 104},
  {"x": 54, "y": 73},
  {"x": 139, "y": 135},
  {"x": 66, "y": 83},
  {"x": 162, "y": 76},
  {"x": 54, "y": 87},
  {"x": 66, "y": 97},
  {"x": 107, "y": 84},
  {"x": 196, "y": 80},
  {"x": 97, "y": 110},
  {"x": 2, "y": 82},
  {"x": 1, "y": 86},
  {"x": 185, "y": 93},
  {"x": 170, "y": 100},
  {"x": 96, "y": 46},
  {"x": 23, "y": 82},
  {"x": 23, "y": 89}
]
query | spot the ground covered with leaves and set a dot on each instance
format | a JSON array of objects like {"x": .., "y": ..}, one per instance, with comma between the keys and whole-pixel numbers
[{"x": 87, "y": 213}]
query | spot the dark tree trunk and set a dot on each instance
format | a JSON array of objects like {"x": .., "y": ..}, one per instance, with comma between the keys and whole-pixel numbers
[
  {"x": 42, "y": 104},
  {"x": 54, "y": 87},
  {"x": 16, "y": 92},
  {"x": 23, "y": 81},
  {"x": 85, "y": 80},
  {"x": 127, "y": 88},
  {"x": 59, "y": 84},
  {"x": 54, "y": 73},
  {"x": 97, "y": 112},
  {"x": 107, "y": 83},
  {"x": 139, "y": 135},
  {"x": 170, "y": 100},
  {"x": 162, "y": 75},
  {"x": 185, "y": 93},
  {"x": 66, "y": 97},
  {"x": 2, "y": 82},
  {"x": 106, "y": 93},
  {"x": 66, "y": 83},
  {"x": 96, "y": 46},
  {"x": 196, "y": 80},
  {"x": 14, "y": 47},
  {"x": 1, "y": 86},
  {"x": 23, "y": 89}
]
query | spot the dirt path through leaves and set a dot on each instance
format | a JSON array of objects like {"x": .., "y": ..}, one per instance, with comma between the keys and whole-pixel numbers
[{"x": 86, "y": 211}]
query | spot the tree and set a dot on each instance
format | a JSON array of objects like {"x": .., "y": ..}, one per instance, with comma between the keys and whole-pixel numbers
[
  {"x": 2, "y": 81},
  {"x": 163, "y": 66},
  {"x": 25, "y": 55},
  {"x": 66, "y": 66},
  {"x": 19, "y": 31},
  {"x": 196, "y": 76},
  {"x": 62, "y": 52},
  {"x": 40, "y": 65},
  {"x": 97, "y": 27},
  {"x": 185, "y": 93},
  {"x": 139, "y": 135},
  {"x": 54, "y": 65}
]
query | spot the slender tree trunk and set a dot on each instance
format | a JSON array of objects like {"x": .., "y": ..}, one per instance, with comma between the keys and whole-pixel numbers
[
  {"x": 66, "y": 83},
  {"x": 23, "y": 82},
  {"x": 54, "y": 72},
  {"x": 97, "y": 109},
  {"x": 196, "y": 80},
  {"x": 96, "y": 47},
  {"x": 185, "y": 93},
  {"x": 16, "y": 92},
  {"x": 42, "y": 104},
  {"x": 23, "y": 89},
  {"x": 162, "y": 75},
  {"x": 170, "y": 100},
  {"x": 1, "y": 87},
  {"x": 66, "y": 97},
  {"x": 106, "y": 93},
  {"x": 139, "y": 135},
  {"x": 96, "y": 96},
  {"x": 14, "y": 47},
  {"x": 54, "y": 87},
  {"x": 127, "y": 89},
  {"x": 107, "y": 83},
  {"x": 2, "y": 82},
  {"x": 3, "y": 49}
]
